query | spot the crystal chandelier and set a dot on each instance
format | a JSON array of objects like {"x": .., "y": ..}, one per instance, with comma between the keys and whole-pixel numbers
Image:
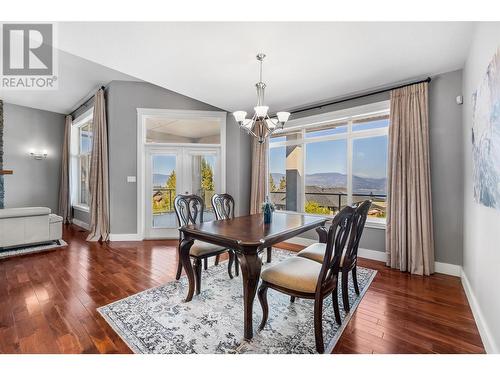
[{"x": 261, "y": 125}]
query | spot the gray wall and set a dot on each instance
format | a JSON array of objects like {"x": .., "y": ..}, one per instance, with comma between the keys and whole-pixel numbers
[
  {"x": 481, "y": 228},
  {"x": 445, "y": 118},
  {"x": 446, "y": 169},
  {"x": 123, "y": 99},
  {"x": 34, "y": 182}
]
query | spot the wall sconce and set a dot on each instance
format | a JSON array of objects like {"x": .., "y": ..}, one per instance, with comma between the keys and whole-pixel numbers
[{"x": 38, "y": 155}]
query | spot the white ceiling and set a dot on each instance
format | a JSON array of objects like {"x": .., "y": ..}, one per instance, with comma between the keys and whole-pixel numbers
[
  {"x": 184, "y": 128},
  {"x": 306, "y": 63},
  {"x": 77, "y": 77}
]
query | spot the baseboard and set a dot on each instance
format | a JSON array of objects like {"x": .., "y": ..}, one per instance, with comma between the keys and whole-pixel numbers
[
  {"x": 81, "y": 224},
  {"x": 482, "y": 326},
  {"x": 125, "y": 237},
  {"x": 445, "y": 268},
  {"x": 448, "y": 269}
]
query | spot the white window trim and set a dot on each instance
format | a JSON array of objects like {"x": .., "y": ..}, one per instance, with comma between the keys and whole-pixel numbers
[
  {"x": 347, "y": 116},
  {"x": 75, "y": 143},
  {"x": 142, "y": 115}
]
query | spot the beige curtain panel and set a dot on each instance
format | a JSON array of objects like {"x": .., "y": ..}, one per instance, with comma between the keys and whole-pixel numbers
[
  {"x": 64, "y": 186},
  {"x": 409, "y": 236},
  {"x": 98, "y": 183},
  {"x": 259, "y": 174}
]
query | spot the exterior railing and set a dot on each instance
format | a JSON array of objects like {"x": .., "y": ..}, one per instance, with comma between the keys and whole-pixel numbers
[
  {"x": 169, "y": 196},
  {"x": 339, "y": 195}
]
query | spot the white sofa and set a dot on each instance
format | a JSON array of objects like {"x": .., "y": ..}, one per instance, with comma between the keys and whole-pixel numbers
[{"x": 29, "y": 226}]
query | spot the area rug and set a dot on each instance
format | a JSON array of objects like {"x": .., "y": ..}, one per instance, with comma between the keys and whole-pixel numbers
[
  {"x": 31, "y": 249},
  {"x": 158, "y": 321}
]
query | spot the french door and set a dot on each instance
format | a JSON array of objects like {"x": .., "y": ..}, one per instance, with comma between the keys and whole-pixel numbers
[{"x": 178, "y": 170}]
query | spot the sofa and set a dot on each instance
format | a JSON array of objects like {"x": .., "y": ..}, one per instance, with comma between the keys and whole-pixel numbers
[{"x": 29, "y": 226}]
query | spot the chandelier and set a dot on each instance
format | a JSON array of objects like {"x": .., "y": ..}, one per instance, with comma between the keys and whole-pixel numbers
[{"x": 261, "y": 125}]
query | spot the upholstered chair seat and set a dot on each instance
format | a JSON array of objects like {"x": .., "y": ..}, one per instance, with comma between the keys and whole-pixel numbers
[
  {"x": 200, "y": 248},
  {"x": 300, "y": 274},
  {"x": 316, "y": 252}
]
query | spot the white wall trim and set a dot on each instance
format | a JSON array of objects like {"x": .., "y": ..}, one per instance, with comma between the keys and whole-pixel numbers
[
  {"x": 445, "y": 268},
  {"x": 448, "y": 268},
  {"x": 80, "y": 224},
  {"x": 142, "y": 115},
  {"x": 482, "y": 326},
  {"x": 125, "y": 237}
]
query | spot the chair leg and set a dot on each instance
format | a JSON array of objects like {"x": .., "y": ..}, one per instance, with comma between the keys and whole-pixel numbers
[
  {"x": 262, "y": 293},
  {"x": 217, "y": 258},
  {"x": 179, "y": 265},
  {"x": 269, "y": 254},
  {"x": 230, "y": 263},
  {"x": 318, "y": 324},
  {"x": 205, "y": 264},
  {"x": 236, "y": 265},
  {"x": 197, "y": 274},
  {"x": 292, "y": 299},
  {"x": 355, "y": 280},
  {"x": 335, "y": 303},
  {"x": 345, "y": 292}
]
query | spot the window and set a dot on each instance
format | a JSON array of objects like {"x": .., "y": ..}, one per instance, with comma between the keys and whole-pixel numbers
[
  {"x": 328, "y": 161},
  {"x": 81, "y": 148}
]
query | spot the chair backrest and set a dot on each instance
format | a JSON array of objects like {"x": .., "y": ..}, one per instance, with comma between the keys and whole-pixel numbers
[
  {"x": 189, "y": 209},
  {"x": 357, "y": 227},
  {"x": 335, "y": 244},
  {"x": 223, "y": 205}
]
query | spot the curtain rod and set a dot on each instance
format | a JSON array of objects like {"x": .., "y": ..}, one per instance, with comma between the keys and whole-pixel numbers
[
  {"x": 428, "y": 79},
  {"x": 84, "y": 104}
]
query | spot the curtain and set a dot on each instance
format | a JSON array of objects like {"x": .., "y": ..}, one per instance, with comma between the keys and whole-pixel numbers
[
  {"x": 259, "y": 174},
  {"x": 98, "y": 183},
  {"x": 64, "y": 186},
  {"x": 409, "y": 236}
]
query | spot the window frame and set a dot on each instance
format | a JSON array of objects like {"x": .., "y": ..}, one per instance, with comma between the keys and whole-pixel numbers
[
  {"x": 78, "y": 156},
  {"x": 347, "y": 116}
]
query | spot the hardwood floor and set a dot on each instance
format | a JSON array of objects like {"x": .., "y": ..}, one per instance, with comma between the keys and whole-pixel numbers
[{"x": 48, "y": 302}]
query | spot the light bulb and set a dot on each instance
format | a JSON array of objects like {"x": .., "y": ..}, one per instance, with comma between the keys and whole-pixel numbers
[
  {"x": 239, "y": 116},
  {"x": 261, "y": 110},
  {"x": 283, "y": 116}
]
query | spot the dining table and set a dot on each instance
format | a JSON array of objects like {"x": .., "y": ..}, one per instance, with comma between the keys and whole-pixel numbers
[{"x": 248, "y": 236}]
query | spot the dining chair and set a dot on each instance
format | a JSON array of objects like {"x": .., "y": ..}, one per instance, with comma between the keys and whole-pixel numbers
[
  {"x": 349, "y": 258},
  {"x": 223, "y": 206},
  {"x": 189, "y": 210},
  {"x": 305, "y": 278}
]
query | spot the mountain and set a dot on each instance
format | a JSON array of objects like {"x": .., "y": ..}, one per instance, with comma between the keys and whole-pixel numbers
[{"x": 360, "y": 184}]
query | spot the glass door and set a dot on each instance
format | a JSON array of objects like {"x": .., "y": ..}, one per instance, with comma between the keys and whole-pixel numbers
[
  {"x": 178, "y": 170},
  {"x": 203, "y": 176},
  {"x": 162, "y": 186}
]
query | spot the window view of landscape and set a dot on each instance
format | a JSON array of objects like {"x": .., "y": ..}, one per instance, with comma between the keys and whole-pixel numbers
[
  {"x": 165, "y": 182},
  {"x": 326, "y": 169},
  {"x": 85, "y": 148}
]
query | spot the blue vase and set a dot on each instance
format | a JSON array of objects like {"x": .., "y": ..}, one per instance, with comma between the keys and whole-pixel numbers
[{"x": 268, "y": 215}]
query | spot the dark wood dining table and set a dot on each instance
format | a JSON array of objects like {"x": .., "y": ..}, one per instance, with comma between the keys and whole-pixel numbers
[{"x": 248, "y": 236}]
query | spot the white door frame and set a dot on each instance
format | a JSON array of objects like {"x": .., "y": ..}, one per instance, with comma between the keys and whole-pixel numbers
[{"x": 142, "y": 115}]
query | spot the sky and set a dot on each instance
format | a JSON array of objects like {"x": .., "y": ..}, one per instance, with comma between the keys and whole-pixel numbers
[
  {"x": 369, "y": 155},
  {"x": 165, "y": 164}
]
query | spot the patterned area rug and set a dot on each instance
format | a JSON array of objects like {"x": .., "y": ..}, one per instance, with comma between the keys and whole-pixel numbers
[
  {"x": 158, "y": 321},
  {"x": 31, "y": 249}
]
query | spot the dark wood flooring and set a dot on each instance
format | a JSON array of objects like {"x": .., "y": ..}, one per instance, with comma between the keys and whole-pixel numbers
[{"x": 48, "y": 302}]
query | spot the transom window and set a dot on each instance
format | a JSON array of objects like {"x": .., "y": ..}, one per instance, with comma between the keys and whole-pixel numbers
[{"x": 322, "y": 163}]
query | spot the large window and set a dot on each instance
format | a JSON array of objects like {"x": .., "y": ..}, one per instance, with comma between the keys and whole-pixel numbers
[
  {"x": 323, "y": 163},
  {"x": 81, "y": 148}
]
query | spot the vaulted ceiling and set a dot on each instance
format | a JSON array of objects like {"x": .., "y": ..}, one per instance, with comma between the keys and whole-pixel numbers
[{"x": 215, "y": 62}]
